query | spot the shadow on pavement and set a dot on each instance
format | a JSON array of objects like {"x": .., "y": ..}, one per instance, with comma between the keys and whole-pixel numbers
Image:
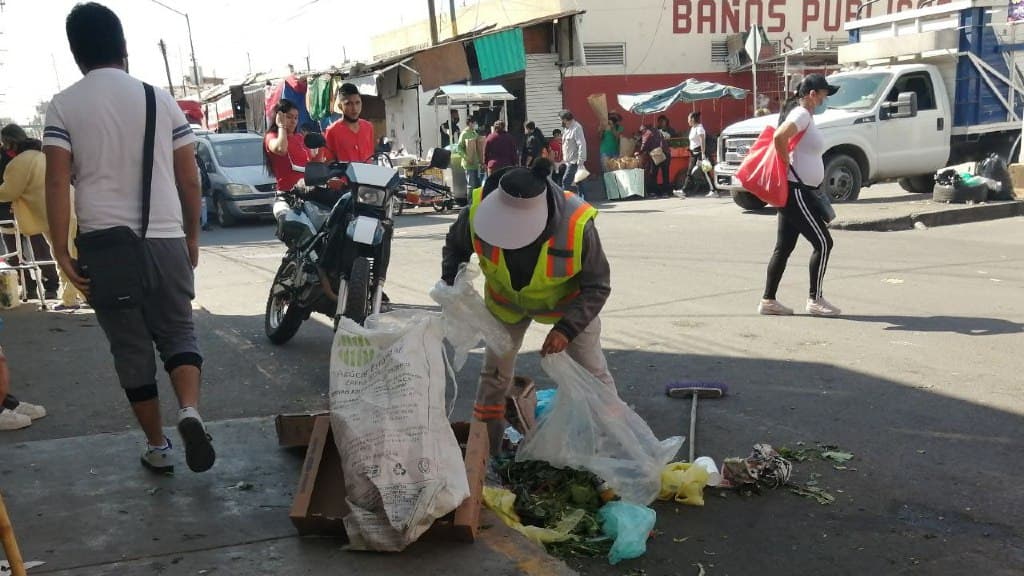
[
  {"x": 929, "y": 491},
  {"x": 954, "y": 324}
]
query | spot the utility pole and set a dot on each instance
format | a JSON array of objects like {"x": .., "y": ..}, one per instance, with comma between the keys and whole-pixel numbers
[
  {"x": 163, "y": 51},
  {"x": 191, "y": 46},
  {"x": 53, "y": 60},
  {"x": 451, "y": 10},
  {"x": 433, "y": 22}
]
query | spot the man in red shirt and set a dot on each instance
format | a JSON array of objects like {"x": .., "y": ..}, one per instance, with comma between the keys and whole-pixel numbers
[{"x": 351, "y": 138}]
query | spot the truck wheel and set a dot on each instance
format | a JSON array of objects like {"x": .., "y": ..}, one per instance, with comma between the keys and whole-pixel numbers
[
  {"x": 224, "y": 216},
  {"x": 748, "y": 201},
  {"x": 918, "y": 184},
  {"x": 842, "y": 178}
]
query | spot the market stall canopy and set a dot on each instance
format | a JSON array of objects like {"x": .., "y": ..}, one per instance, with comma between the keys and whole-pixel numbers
[
  {"x": 454, "y": 94},
  {"x": 690, "y": 90}
]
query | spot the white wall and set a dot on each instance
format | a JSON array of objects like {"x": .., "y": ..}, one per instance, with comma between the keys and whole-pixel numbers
[{"x": 677, "y": 38}]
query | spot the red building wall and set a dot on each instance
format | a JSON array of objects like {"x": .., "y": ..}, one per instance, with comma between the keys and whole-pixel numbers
[{"x": 715, "y": 114}]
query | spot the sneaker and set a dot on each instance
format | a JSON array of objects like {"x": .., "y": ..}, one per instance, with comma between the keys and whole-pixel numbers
[
  {"x": 199, "y": 453},
  {"x": 159, "y": 460},
  {"x": 773, "y": 308},
  {"x": 711, "y": 194},
  {"x": 33, "y": 411},
  {"x": 11, "y": 420},
  {"x": 821, "y": 307}
]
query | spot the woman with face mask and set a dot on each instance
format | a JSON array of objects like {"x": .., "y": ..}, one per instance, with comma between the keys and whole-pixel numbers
[{"x": 806, "y": 171}]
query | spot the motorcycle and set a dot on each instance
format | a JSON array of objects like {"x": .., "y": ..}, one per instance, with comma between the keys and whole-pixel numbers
[{"x": 338, "y": 249}]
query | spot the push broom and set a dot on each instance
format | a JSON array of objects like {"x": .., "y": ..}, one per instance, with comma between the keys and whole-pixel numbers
[{"x": 695, "y": 390}]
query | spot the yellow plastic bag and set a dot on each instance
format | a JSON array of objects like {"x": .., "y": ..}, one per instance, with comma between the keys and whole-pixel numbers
[
  {"x": 683, "y": 482},
  {"x": 502, "y": 502}
]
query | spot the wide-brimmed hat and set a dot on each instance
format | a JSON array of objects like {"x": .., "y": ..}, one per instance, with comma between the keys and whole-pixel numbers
[{"x": 514, "y": 212}]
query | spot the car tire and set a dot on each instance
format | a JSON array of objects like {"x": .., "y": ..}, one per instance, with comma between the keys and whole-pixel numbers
[
  {"x": 924, "y": 184},
  {"x": 224, "y": 216},
  {"x": 961, "y": 195},
  {"x": 843, "y": 179},
  {"x": 748, "y": 201}
]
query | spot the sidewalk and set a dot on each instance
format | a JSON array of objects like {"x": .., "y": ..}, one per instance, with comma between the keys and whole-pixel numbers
[
  {"x": 86, "y": 507},
  {"x": 883, "y": 208}
]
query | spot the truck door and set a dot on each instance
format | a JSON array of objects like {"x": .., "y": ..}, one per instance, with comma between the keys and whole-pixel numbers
[{"x": 913, "y": 146}]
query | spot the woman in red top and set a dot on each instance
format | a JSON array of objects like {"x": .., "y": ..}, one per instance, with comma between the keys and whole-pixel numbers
[{"x": 283, "y": 147}]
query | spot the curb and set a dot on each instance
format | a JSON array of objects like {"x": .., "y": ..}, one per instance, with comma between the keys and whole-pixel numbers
[{"x": 947, "y": 217}]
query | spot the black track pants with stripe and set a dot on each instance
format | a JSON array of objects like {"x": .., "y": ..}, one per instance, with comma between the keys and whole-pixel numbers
[{"x": 797, "y": 219}]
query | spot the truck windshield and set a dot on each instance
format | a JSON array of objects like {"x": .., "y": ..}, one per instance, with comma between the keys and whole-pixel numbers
[
  {"x": 857, "y": 91},
  {"x": 238, "y": 153}
]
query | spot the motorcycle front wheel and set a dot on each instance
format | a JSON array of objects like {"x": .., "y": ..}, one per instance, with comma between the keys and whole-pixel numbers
[
  {"x": 283, "y": 317},
  {"x": 357, "y": 301}
]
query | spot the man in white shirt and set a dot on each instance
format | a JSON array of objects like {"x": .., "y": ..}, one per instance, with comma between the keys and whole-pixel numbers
[
  {"x": 94, "y": 134},
  {"x": 574, "y": 149}
]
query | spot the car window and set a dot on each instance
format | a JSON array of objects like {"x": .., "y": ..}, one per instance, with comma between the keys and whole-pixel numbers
[
  {"x": 203, "y": 151},
  {"x": 237, "y": 153},
  {"x": 919, "y": 83}
]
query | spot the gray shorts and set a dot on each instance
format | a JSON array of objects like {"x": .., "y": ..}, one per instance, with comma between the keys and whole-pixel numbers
[{"x": 164, "y": 319}]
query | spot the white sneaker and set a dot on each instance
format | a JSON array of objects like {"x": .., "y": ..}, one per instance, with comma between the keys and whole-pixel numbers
[
  {"x": 711, "y": 194},
  {"x": 33, "y": 411},
  {"x": 199, "y": 452},
  {"x": 159, "y": 460},
  {"x": 773, "y": 308},
  {"x": 822, "y": 307},
  {"x": 11, "y": 420}
]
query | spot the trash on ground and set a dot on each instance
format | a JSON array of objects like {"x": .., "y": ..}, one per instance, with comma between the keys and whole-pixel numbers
[
  {"x": 893, "y": 281},
  {"x": 242, "y": 486},
  {"x": 5, "y": 567},
  {"x": 684, "y": 482},
  {"x": 764, "y": 468},
  {"x": 814, "y": 492},
  {"x": 620, "y": 447},
  {"x": 629, "y": 524},
  {"x": 819, "y": 451}
]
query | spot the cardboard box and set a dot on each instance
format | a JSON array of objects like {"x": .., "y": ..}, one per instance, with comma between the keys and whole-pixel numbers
[
  {"x": 294, "y": 430},
  {"x": 521, "y": 405},
  {"x": 1017, "y": 176},
  {"x": 319, "y": 506}
]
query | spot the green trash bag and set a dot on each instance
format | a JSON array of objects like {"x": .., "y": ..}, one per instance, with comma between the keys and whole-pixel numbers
[{"x": 630, "y": 525}]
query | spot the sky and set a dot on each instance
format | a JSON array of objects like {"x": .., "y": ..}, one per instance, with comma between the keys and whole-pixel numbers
[{"x": 228, "y": 35}]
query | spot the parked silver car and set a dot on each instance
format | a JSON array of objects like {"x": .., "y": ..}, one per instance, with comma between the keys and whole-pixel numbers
[{"x": 240, "y": 186}]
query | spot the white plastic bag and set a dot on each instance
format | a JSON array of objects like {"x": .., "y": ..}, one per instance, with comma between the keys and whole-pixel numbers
[
  {"x": 402, "y": 464},
  {"x": 467, "y": 320},
  {"x": 591, "y": 428}
]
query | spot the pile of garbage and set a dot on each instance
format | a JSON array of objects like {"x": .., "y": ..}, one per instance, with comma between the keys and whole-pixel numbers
[{"x": 988, "y": 180}]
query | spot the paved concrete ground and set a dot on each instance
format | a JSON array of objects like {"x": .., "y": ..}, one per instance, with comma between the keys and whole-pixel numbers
[{"x": 919, "y": 379}]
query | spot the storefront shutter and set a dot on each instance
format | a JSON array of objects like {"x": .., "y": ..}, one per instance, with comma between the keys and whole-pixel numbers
[{"x": 543, "y": 91}]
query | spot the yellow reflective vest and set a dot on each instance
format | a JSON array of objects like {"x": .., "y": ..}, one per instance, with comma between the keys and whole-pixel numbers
[{"x": 554, "y": 284}]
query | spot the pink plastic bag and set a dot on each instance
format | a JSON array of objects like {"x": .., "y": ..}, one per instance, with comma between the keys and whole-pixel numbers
[{"x": 762, "y": 173}]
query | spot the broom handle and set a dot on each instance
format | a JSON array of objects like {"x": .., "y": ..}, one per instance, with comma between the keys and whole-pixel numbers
[
  {"x": 10, "y": 544},
  {"x": 693, "y": 424}
]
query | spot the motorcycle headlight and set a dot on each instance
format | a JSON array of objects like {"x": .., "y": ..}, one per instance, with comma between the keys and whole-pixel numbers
[
  {"x": 238, "y": 189},
  {"x": 371, "y": 196}
]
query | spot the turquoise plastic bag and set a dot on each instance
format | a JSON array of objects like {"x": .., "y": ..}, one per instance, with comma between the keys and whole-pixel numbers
[
  {"x": 545, "y": 401},
  {"x": 630, "y": 525}
]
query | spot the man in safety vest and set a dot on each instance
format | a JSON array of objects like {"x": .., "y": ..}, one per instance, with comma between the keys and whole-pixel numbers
[{"x": 542, "y": 260}]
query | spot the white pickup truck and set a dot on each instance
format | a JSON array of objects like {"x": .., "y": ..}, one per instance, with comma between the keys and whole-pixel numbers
[{"x": 920, "y": 90}]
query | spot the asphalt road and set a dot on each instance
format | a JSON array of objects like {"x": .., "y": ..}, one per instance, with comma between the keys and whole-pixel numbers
[{"x": 920, "y": 379}]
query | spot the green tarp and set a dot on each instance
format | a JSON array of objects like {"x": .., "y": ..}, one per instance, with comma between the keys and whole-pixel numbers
[
  {"x": 500, "y": 54},
  {"x": 690, "y": 90}
]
